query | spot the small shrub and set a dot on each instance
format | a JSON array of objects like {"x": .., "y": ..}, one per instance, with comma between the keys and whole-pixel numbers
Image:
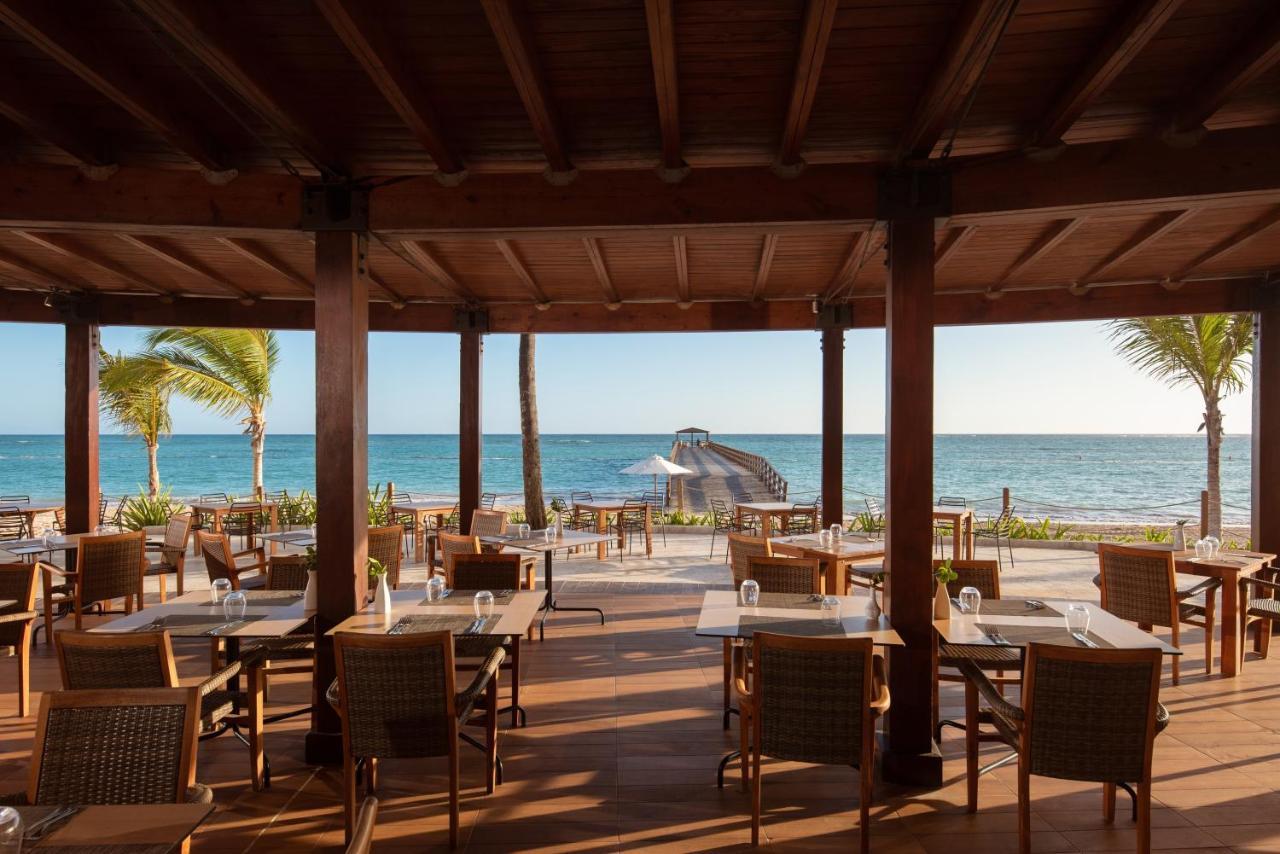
[{"x": 143, "y": 511}]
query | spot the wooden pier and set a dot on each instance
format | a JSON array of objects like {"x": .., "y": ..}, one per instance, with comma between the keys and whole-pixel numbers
[{"x": 720, "y": 471}]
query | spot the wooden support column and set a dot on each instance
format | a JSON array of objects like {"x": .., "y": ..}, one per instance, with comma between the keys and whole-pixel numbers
[
  {"x": 342, "y": 481},
  {"x": 911, "y": 756},
  {"x": 1266, "y": 421},
  {"x": 832, "y": 427},
  {"x": 80, "y": 427},
  {"x": 470, "y": 426}
]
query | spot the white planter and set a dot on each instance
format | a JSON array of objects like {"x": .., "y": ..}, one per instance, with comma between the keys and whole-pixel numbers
[{"x": 382, "y": 597}]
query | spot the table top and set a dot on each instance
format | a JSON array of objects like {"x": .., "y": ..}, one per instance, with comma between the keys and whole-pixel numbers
[
  {"x": 964, "y": 628},
  {"x": 425, "y": 505},
  {"x": 277, "y": 620},
  {"x": 954, "y": 511},
  {"x": 766, "y": 506},
  {"x": 513, "y": 618},
  {"x": 535, "y": 543},
  {"x": 222, "y": 506},
  {"x": 1227, "y": 559},
  {"x": 722, "y": 613},
  {"x": 147, "y": 828},
  {"x": 301, "y": 539},
  {"x": 609, "y": 504},
  {"x": 30, "y": 506},
  {"x": 849, "y": 547},
  {"x": 37, "y": 545}
]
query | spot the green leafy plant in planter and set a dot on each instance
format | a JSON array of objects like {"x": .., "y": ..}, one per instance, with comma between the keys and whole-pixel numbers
[
  {"x": 144, "y": 511},
  {"x": 376, "y": 571},
  {"x": 309, "y": 558},
  {"x": 944, "y": 573}
]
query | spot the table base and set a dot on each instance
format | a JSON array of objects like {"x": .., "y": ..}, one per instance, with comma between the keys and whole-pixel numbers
[{"x": 549, "y": 604}]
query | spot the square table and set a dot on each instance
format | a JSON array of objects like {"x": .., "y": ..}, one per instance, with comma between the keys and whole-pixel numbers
[
  {"x": 37, "y": 545},
  {"x": 299, "y": 539},
  {"x": 217, "y": 509},
  {"x": 602, "y": 509},
  {"x": 127, "y": 828},
  {"x": 420, "y": 509},
  {"x": 722, "y": 616},
  {"x": 834, "y": 557},
  {"x": 965, "y": 629},
  {"x": 514, "y": 618},
  {"x": 766, "y": 511},
  {"x": 961, "y": 521},
  {"x": 537, "y": 543},
  {"x": 28, "y": 510}
]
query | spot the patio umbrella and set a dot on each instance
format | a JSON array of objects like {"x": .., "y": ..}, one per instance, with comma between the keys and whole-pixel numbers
[{"x": 656, "y": 465}]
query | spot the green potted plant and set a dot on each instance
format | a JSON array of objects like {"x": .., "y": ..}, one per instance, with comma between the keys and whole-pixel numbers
[{"x": 941, "y": 600}]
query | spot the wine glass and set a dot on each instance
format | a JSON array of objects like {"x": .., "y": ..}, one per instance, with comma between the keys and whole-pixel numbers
[
  {"x": 435, "y": 588},
  {"x": 830, "y": 609},
  {"x": 483, "y": 604},
  {"x": 970, "y": 600},
  {"x": 1077, "y": 617},
  {"x": 221, "y": 587},
  {"x": 750, "y": 593},
  {"x": 234, "y": 605}
]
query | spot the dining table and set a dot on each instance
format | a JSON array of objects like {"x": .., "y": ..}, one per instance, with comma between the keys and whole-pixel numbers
[
  {"x": 112, "y": 828},
  {"x": 29, "y": 510},
  {"x": 537, "y": 542},
  {"x": 298, "y": 539},
  {"x": 601, "y": 509},
  {"x": 215, "y": 511},
  {"x": 834, "y": 557},
  {"x": 34, "y": 546},
  {"x": 1016, "y": 622},
  {"x": 961, "y": 521},
  {"x": 421, "y": 509},
  {"x": 766, "y": 512}
]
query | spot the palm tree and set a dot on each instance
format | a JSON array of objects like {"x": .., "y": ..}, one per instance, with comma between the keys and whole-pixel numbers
[
  {"x": 530, "y": 446},
  {"x": 226, "y": 370},
  {"x": 134, "y": 396},
  {"x": 1206, "y": 352}
]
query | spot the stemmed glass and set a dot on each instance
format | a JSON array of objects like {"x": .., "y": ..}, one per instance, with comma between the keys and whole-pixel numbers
[{"x": 221, "y": 587}]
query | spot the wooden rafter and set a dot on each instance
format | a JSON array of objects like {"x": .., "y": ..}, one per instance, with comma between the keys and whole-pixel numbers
[
  {"x": 819, "y": 17},
  {"x": 768, "y": 245},
  {"x": 506, "y": 19},
  {"x": 1259, "y": 53},
  {"x": 957, "y": 237},
  {"x": 680, "y": 245},
  {"x": 518, "y": 267},
  {"x": 250, "y": 251},
  {"x": 1239, "y": 238},
  {"x": 196, "y": 28},
  {"x": 1122, "y": 44},
  {"x": 666, "y": 83},
  {"x": 393, "y": 296},
  {"x": 862, "y": 247},
  {"x": 69, "y": 248},
  {"x": 1151, "y": 231},
  {"x": 1049, "y": 239},
  {"x": 972, "y": 44},
  {"x": 159, "y": 248},
  {"x": 30, "y": 110},
  {"x": 36, "y": 22},
  {"x": 419, "y": 257},
  {"x": 367, "y": 39},
  {"x": 602, "y": 270},
  {"x": 32, "y": 273}
]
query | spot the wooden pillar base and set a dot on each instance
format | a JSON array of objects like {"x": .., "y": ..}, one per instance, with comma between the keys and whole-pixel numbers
[{"x": 923, "y": 770}]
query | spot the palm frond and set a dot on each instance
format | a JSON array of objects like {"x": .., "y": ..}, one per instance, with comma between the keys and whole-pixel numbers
[
  {"x": 1207, "y": 352},
  {"x": 227, "y": 370},
  {"x": 134, "y": 396}
]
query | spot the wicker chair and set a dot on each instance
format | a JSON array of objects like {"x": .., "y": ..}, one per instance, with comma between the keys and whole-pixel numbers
[
  {"x": 287, "y": 572},
  {"x": 786, "y": 574},
  {"x": 723, "y": 521},
  {"x": 632, "y": 520},
  {"x": 1261, "y": 605},
  {"x": 493, "y": 572},
  {"x": 221, "y": 562},
  {"x": 243, "y": 520},
  {"x": 657, "y": 512},
  {"x": 107, "y": 567},
  {"x": 493, "y": 523},
  {"x": 1140, "y": 585},
  {"x": 384, "y": 547},
  {"x": 173, "y": 552},
  {"x": 455, "y": 544},
  {"x": 362, "y": 838},
  {"x": 397, "y": 698},
  {"x": 741, "y": 549},
  {"x": 1086, "y": 714},
  {"x": 805, "y": 686},
  {"x": 17, "y": 623},
  {"x": 117, "y": 747}
]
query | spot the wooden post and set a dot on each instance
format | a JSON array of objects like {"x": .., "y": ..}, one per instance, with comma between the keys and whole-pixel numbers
[
  {"x": 80, "y": 428},
  {"x": 1204, "y": 513},
  {"x": 1266, "y": 423},
  {"x": 342, "y": 480},
  {"x": 911, "y": 756},
  {"x": 470, "y": 427},
  {"x": 832, "y": 427},
  {"x": 1004, "y": 499}
]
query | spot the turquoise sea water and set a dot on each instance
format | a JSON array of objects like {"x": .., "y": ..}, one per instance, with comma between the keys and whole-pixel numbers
[{"x": 1110, "y": 476}]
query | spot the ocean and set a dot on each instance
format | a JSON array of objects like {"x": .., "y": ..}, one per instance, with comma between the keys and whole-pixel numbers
[{"x": 1070, "y": 477}]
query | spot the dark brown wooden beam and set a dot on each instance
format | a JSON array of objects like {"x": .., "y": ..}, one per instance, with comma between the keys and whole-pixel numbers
[
  {"x": 421, "y": 259},
  {"x": 683, "y": 291},
  {"x": 366, "y": 36},
  {"x": 1265, "y": 457},
  {"x": 518, "y": 267},
  {"x": 819, "y": 17},
  {"x": 1258, "y": 53},
  {"x": 1151, "y": 231},
  {"x": 768, "y": 245},
  {"x": 94, "y": 63},
  {"x": 250, "y": 251},
  {"x": 973, "y": 42},
  {"x": 861, "y": 247},
  {"x": 80, "y": 427},
  {"x": 1054, "y": 234},
  {"x": 470, "y": 426},
  {"x": 596, "y": 257},
  {"x": 31, "y": 109},
  {"x": 832, "y": 429},
  {"x": 68, "y": 247},
  {"x": 1137, "y": 25},
  {"x": 1232, "y": 242},
  {"x": 157, "y": 247},
  {"x": 203, "y": 32},
  {"x": 27, "y": 271},
  {"x": 666, "y": 84},
  {"x": 342, "y": 482},
  {"x": 955, "y": 240},
  {"x": 506, "y": 19}
]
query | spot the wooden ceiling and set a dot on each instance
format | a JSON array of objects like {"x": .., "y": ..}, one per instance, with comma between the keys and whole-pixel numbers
[{"x": 631, "y": 117}]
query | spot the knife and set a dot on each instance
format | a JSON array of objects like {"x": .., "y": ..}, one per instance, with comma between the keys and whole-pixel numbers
[{"x": 1080, "y": 636}]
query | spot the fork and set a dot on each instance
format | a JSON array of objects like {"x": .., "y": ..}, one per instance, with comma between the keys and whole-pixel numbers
[
  {"x": 38, "y": 829},
  {"x": 994, "y": 636}
]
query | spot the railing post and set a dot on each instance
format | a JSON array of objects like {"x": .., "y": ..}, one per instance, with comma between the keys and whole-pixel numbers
[
  {"x": 1204, "y": 513},
  {"x": 1004, "y": 499}
]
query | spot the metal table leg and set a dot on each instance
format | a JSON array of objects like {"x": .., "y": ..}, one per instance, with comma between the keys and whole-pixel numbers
[{"x": 549, "y": 603}]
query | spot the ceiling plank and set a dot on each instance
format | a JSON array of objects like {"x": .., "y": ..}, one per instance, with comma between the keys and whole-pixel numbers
[
  {"x": 1256, "y": 55},
  {"x": 517, "y": 265},
  {"x": 1156, "y": 228},
  {"x": 252, "y": 252},
  {"x": 367, "y": 39},
  {"x": 957, "y": 237},
  {"x": 973, "y": 42},
  {"x": 506, "y": 19},
  {"x": 602, "y": 271},
  {"x": 1229, "y": 244},
  {"x": 666, "y": 84},
  {"x": 68, "y": 248},
  {"x": 768, "y": 246},
  {"x": 1121, "y": 45},
  {"x": 36, "y": 22},
  {"x": 159, "y": 248},
  {"x": 30, "y": 109},
  {"x": 1049, "y": 239},
  {"x": 819, "y": 17},
  {"x": 862, "y": 247},
  {"x": 35, "y": 274},
  {"x": 680, "y": 245},
  {"x": 200, "y": 31},
  {"x": 418, "y": 256}
]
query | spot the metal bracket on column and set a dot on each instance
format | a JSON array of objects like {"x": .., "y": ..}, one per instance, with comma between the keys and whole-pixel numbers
[
  {"x": 471, "y": 320},
  {"x": 913, "y": 192},
  {"x": 72, "y": 307},
  {"x": 335, "y": 207},
  {"x": 834, "y": 315}
]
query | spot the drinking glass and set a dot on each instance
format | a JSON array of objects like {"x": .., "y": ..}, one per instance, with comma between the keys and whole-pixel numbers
[
  {"x": 549, "y": 535},
  {"x": 970, "y": 600},
  {"x": 234, "y": 605},
  {"x": 221, "y": 587},
  {"x": 10, "y": 831},
  {"x": 1202, "y": 549},
  {"x": 1214, "y": 546},
  {"x": 483, "y": 605},
  {"x": 523, "y": 531},
  {"x": 830, "y": 609},
  {"x": 1077, "y": 618},
  {"x": 750, "y": 593},
  {"x": 836, "y": 532},
  {"x": 435, "y": 588},
  {"x": 824, "y": 538}
]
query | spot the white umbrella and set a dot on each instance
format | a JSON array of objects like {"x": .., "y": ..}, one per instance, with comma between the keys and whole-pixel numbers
[{"x": 656, "y": 465}]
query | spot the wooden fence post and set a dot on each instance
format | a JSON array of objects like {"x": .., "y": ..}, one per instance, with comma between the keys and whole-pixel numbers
[
  {"x": 1004, "y": 499},
  {"x": 1204, "y": 513}
]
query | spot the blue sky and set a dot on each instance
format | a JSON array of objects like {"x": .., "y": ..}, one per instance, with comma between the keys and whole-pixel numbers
[{"x": 1036, "y": 378}]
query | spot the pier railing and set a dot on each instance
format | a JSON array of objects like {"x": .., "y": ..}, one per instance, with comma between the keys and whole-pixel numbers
[{"x": 757, "y": 465}]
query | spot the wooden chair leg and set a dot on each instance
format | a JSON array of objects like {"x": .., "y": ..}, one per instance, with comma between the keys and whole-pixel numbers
[
  {"x": 755, "y": 795},
  {"x": 1209, "y": 609},
  {"x": 349, "y": 794},
  {"x": 515, "y": 679},
  {"x": 1024, "y": 806},
  {"x": 160, "y": 577},
  {"x": 453, "y": 795},
  {"x": 1144, "y": 818},
  {"x": 1264, "y": 637},
  {"x": 371, "y": 775},
  {"x": 257, "y": 765},
  {"x": 491, "y": 735},
  {"x": 24, "y": 672},
  {"x": 744, "y": 744},
  {"x": 971, "y": 745},
  {"x": 178, "y": 580},
  {"x": 1175, "y": 657},
  {"x": 1108, "y": 802},
  {"x": 866, "y": 776}
]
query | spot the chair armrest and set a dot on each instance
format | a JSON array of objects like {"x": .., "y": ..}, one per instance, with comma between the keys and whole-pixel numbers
[
  {"x": 466, "y": 699},
  {"x": 1200, "y": 587},
  {"x": 56, "y": 570},
  {"x": 745, "y": 700},
  {"x": 1270, "y": 585},
  {"x": 879, "y": 686},
  {"x": 219, "y": 679},
  {"x": 332, "y": 695},
  {"x": 18, "y": 617},
  {"x": 991, "y": 693},
  {"x": 260, "y": 551}
]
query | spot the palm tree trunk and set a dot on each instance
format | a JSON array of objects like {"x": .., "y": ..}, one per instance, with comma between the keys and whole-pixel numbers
[
  {"x": 257, "y": 439},
  {"x": 1213, "y": 467},
  {"x": 153, "y": 469},
  {"x": 530, "y": 447}
]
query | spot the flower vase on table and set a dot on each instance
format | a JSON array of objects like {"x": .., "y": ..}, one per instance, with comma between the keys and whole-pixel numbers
[
  {"x": 382, "y": 597},
  {"x": 873, "y": 611}
]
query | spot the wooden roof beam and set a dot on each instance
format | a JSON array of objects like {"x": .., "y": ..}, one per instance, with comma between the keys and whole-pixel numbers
[
  {"x": 973, "y": 42},
  {"x": 602, "y": 271},
  {"x": 683, "y": 291},
  {"x": 819, "y": 17},
  {"x": 1239, "y": 238},
  {"x": 367, "y": 39},
  {"x": 768, "y": 245},
  {"x": 420, "y": 258},
  {"x": 506, "y": 19},
  {"x": 159, "y": 248},
  {"x": 957, "y": 237},
  {"x": 252, "y": 252},
  {"x": 861, "y": 248},
  {"x": 1121, "y": 45},
  {"x": 1049, "y": 239},
  {"x": 30, "y": 110},
  {"x": 518, "y": 267},
  {"x": 666, "y": 85},
  {"x": 1156, "y": 228},
  {"x": 36, "y": 22},
  {"x": 34, "y": 274},
  {"x": 393, "y": 296},
  {"x": 198, "y": 29},
  {"x": 1257, "y": 54},
  {"x": 67, "y": 247}
]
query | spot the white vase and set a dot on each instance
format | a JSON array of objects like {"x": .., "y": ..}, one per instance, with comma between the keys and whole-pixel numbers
[
  {"x": 559, "y": 527},
  {"x": 873, "y": 611},
  {"x": 1180, "y": 537},
  {"x": 941, "y": 603},
  {"x": 382, "y": 597},
  {"x": 310, "y": 596}
]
